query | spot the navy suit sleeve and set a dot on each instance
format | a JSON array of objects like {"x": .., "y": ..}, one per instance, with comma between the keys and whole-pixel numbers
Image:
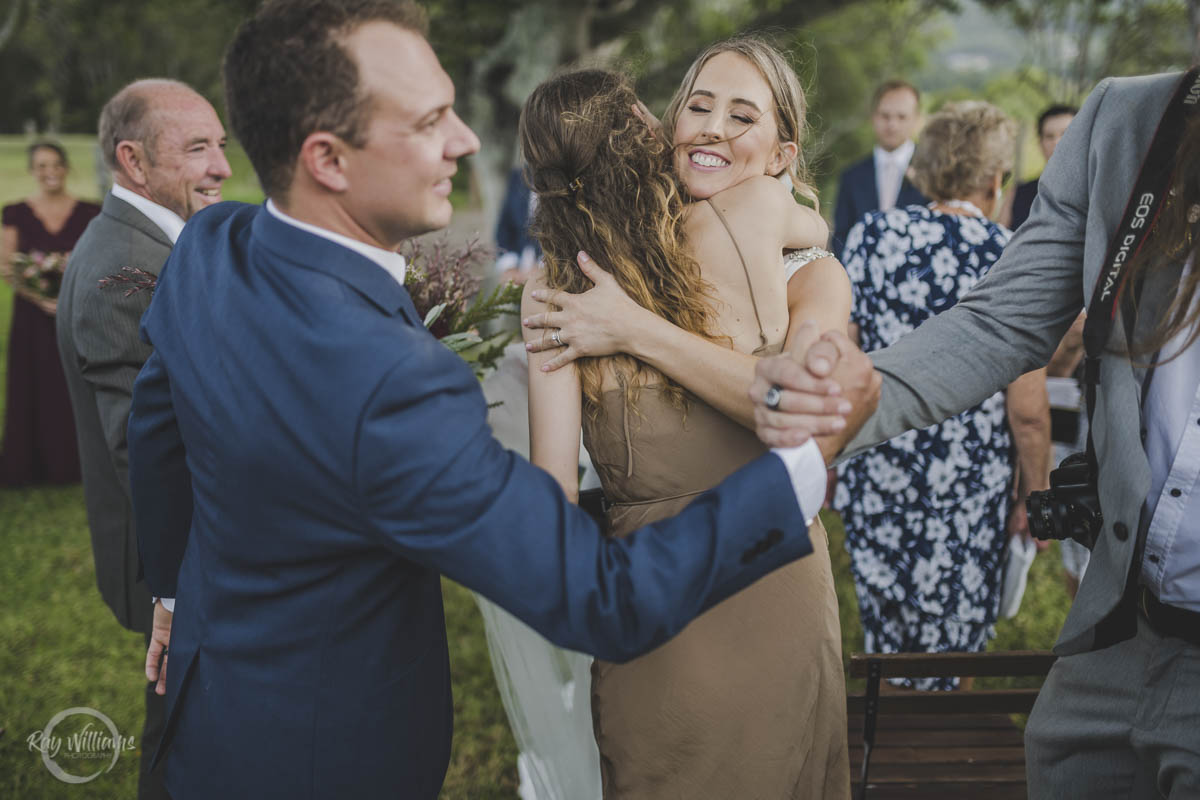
[
  {"x": 436, "y": 487},
  {"x": 843, "y": 215},
  {"x": 159, "y": 479},
  {"x": 510, "y": 234}
]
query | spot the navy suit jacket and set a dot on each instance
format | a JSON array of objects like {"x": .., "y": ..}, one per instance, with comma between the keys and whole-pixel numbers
[
  {"x": 1023, "y": 199},
  {"x": 858, "y": 195},
  {"x": 512, "y": 226},
  {"x": 306, "y": 462}
]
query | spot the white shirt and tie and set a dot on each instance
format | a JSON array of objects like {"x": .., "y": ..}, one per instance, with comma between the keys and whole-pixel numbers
[{"x": 890, "y": 168}]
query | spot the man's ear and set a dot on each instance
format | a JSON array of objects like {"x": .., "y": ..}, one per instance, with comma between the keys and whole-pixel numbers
[
  {"x": 784, "y": 154},
  {"x": 323, "y": 157},
  {"x": 132, "y": 158}
]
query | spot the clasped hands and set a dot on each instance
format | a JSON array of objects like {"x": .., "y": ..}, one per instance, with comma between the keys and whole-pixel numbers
[{"x": 817, "y": 367}]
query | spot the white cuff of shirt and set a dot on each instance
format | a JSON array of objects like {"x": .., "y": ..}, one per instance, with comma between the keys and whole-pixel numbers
[
  {"x": 168, "y": 603},
  {"x": 806, "y": 468}
]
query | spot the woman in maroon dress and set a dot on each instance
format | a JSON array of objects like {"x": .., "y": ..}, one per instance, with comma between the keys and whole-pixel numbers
[{"x": 38, "y": 445}]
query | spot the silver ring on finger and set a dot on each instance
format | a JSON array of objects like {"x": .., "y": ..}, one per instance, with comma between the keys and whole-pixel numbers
[
  {"x": 772, "y": 398},
  {"x": 556, "y": 338}
]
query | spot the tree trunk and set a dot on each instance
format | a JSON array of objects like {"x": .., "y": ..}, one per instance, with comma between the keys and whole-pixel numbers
[{"x": 11, "y": 18}]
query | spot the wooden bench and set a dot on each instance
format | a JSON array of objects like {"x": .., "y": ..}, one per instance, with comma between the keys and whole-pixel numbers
[{"x": 962, "y": 744}]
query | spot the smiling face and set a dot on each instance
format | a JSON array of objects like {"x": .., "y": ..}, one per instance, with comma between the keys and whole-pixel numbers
[
  {"x": 726, "y": 131},
  {"x": 49, "y": 170},
  {"x": 185, "y": 164},
  {"x": 895, "y": 118},
  {"x": 400, "y": 178}
]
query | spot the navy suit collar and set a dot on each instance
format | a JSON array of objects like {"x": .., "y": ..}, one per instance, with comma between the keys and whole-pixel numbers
[{"x": 315, "y": 252}]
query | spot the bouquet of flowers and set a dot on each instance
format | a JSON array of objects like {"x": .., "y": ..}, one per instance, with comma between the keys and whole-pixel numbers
[
  {"x": 39, "y": 273},
  {"x": 442, "y": 279}
]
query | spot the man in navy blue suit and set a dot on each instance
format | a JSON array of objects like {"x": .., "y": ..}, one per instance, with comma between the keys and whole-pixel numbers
[
  {"x": 879, "y": 181},
  {"x": 307, "y": 461}
]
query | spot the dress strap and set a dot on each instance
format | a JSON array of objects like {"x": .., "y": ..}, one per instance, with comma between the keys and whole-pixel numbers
[{"x": 762, "y": 336}]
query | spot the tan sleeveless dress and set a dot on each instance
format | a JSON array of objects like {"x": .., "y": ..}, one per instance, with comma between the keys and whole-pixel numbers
[{"x": 748, "y": 701}]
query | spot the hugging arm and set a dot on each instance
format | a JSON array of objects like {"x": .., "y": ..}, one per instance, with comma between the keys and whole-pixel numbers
[
  {"x": 555, "y": 407},
  {"x": 463, "y": 505},
  {"x": 603, "y": 321}
]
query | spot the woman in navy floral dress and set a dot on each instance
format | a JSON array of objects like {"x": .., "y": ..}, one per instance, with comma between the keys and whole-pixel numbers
[{"x": 927, "y": 513}]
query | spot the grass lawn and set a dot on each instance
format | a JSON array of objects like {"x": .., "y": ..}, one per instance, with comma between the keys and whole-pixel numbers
[{"x": 60, "y": 647}]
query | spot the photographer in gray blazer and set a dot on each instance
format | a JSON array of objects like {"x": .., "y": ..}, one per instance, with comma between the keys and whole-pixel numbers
[
  {"x": 1119, "y": 714},
  {"x": 165, "y": 148}
]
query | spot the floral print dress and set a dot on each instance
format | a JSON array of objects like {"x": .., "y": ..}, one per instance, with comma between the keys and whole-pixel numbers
[{"x": 925, "y": 512}]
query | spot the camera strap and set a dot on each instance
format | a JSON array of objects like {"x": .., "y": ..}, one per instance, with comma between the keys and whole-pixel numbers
[{"x": 1141, "y": 213}]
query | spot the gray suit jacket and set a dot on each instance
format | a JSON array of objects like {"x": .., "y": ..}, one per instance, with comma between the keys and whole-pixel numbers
[
  {"x": 101, "y": 355},
  {"x": 1015, "y": 317}
]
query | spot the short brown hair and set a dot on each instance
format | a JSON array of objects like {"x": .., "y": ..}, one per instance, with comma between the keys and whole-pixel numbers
[
  {"x": 891, "y": 86},
  {"x": 963, "y": 146},
  {"x": 287, "y": 75}
]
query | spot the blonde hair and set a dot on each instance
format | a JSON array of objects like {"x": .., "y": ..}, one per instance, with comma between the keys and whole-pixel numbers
[
  {"x": 962, "y": 148},
  {"x": 604, "y": 185},
  {"x": 791, "y": 107}
]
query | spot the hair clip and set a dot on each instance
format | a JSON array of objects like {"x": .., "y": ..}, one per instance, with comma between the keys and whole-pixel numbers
[
  {"x": 576, "y": 184},
  {"x": 1193, "y": 214}
]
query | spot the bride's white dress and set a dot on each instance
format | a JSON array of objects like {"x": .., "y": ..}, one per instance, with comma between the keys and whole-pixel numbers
[{"x": 546, "y": 690}]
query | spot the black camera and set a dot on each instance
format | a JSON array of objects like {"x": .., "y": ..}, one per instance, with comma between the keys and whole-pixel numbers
[{"x": 1070, "y": 508}]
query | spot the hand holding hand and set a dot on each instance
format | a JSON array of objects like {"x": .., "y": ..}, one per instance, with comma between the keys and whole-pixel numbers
[
  {"x": 156, "y": 654},
  {"x": 594, "y": 323},
  {"x": 809, "y": 376}
]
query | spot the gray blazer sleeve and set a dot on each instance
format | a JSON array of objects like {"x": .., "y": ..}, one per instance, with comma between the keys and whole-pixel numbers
[
  {"x": 1014, "y": 318},
  {"x": 111, "y": 355}
]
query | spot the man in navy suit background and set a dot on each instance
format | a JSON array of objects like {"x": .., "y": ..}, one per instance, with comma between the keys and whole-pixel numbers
[
  {"x": 307, "y": 461},
  {"x": 1051, "y": 125},
  {"x": 879, "y": 181}
]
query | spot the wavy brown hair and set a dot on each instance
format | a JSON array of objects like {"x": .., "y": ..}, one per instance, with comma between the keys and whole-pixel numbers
[
  {"x": 1175, "y": 239},
  {"x": 604, "y": 184},
  {"x": 790, "y": 104}
]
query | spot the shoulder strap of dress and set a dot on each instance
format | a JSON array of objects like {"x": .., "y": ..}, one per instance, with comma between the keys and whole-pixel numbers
[{"x": 762, "y": 336}]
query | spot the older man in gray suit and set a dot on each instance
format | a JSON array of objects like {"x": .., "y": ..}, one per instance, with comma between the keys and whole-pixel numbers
[
  {"x": 165, "y": 147},
  {"x": 1119, "y": 715}
]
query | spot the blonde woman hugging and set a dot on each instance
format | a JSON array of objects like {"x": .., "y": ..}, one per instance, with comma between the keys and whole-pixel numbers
[{"x": 651, "y": 357}]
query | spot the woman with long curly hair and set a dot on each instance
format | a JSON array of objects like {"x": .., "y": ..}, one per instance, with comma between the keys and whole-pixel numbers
[{"x": 748, "y": 700}]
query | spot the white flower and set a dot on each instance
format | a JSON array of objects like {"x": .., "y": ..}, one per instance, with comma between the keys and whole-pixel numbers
[
  {"x": 968, "y": 611},
  {"x": 871, "y": 502},
  {"x": 936, "y": 531},
  {"x": 943, "y": 262},
  {"x": 890, "y": 327},
  {"x": 887, "y": 534},
  {"x": 953, "y": 430},
  {"x": 855, "y": 237},
  {"x": 931, "y": 635},
  {"x": 973, "y": 230},
  {"x": 893, "y": 249},
  {"x": 925, "y": 233},
  {"x": 972, "y": 577},
  {"x": 940, "y": 476},
  {"x": 966, "y": 282},
  {"x": 873, "y": 569},
  {"x": 896, "y": 217},
  {"x": 925, "y": 577},
  {"x": 913, "y": 291}
]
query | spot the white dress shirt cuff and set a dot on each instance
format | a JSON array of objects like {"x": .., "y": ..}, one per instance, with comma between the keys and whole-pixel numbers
[
  {"x": 806, "y": 468},
  {"x": 168, "y": 603}
]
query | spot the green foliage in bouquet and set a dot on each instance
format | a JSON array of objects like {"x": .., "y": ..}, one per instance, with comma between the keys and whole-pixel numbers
[{"x": 443, "y": 280}]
